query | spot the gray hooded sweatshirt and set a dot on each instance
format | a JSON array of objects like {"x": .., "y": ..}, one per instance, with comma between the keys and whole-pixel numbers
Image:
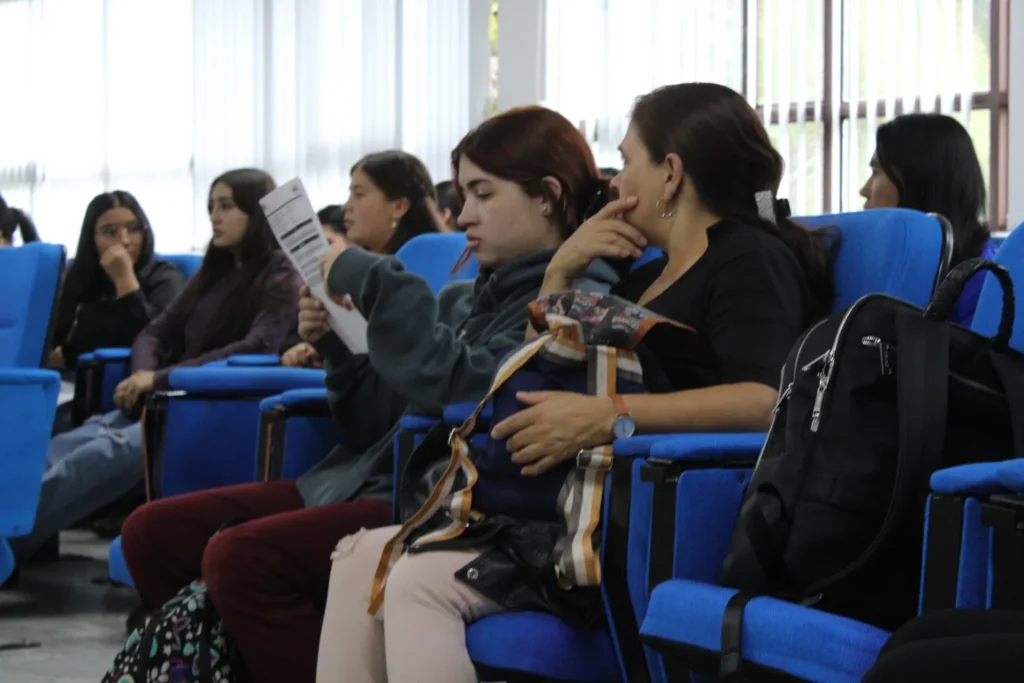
[{"x": 424, "y": 353}]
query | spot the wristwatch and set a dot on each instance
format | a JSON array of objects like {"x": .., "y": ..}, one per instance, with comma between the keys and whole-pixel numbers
[{"x": 624, "y": 425}]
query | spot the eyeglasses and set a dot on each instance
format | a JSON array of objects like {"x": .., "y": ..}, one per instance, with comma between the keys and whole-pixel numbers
[{"x": 113, "y": 230}]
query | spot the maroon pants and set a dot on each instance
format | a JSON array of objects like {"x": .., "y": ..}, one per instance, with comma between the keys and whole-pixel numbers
[{"x": 267, "y": 577}]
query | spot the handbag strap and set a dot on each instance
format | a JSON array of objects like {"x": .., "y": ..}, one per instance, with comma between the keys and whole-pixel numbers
[{"x": 460, "y": 502}]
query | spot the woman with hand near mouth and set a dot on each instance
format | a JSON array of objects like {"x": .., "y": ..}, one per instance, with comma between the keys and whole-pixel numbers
[
  {"x": 115, "y": 285},
  {"x": 242, "y": 300}
]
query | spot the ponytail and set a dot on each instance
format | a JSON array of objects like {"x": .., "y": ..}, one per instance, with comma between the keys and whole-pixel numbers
[
  {"x": 812, "y": 248},
  {"x": 12, "y": 219}
]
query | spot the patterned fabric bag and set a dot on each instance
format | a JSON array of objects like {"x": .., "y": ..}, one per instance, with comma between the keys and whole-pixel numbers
[
  {"x": 184, "y": 641},
  {"x": 588, "y": 346}
]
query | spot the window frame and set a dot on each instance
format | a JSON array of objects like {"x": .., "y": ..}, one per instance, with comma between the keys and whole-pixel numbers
[{"x": 835, "y": 110}]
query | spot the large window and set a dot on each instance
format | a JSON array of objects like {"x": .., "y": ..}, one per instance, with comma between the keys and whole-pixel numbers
[
  {"x": 158, "y": 97},
  {"x": 823, "y": 74}
]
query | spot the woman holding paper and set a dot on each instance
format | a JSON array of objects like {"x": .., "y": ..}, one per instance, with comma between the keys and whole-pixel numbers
[
  {"x": 391, "y": 200},
  {"x": 242, "y": 300},
  {"x": 528, "y": 176}
]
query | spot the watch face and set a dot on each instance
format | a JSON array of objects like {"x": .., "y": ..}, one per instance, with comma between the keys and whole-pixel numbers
[{"x": 624, "y": 427}]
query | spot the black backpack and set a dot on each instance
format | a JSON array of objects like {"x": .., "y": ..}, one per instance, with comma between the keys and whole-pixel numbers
[{"x": 872, "y": 401}]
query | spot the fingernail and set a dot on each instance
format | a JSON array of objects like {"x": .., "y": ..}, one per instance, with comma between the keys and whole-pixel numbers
[{"x": 631, "y": 200}]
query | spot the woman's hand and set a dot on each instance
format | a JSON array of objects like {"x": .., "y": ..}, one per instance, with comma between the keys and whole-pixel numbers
[
  {"x": 604, "y": 235},
  {"x": 55, "y": 361},
  {"x": 129, "y": 391},
  {"x": 312, "y": 316},
  {"x": 302, "y": 355},
  {"x": 555, "y": 426}
]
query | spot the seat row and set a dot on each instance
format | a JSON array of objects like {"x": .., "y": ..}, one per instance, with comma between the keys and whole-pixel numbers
[{"x": 669, "y": 509}]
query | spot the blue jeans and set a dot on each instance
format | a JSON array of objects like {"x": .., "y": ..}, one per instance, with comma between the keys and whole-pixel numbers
[{"x": 86, "y": 469}]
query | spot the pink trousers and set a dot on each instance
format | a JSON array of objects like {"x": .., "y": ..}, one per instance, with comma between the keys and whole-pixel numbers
[{"x": 423, "y": 620}]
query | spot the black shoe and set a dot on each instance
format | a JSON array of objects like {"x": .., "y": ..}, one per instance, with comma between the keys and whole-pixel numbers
[
  {"x": 49, "y": 551},
  {"x": 12, "y": 581}
]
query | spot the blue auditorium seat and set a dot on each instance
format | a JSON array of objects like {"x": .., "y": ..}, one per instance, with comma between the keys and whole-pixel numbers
[
  {"x": 296, "y": 431},
  {"x": 203, "y": 432},
  {"x": 28, "y": 395},
  {"x": 797, "y": 641},
  {"x": 34, "y": 272},
  {"x": 117, "y": 565},
  {"x": 433, "y": 255},
  {"x": 901, "y": 252}
]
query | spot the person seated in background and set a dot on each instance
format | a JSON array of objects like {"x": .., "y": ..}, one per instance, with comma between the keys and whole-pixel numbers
[
  {"x": 694, "y": 157},
  {"x": 242, "y": 300},
  {"x": 15, "y": 221},
  {"x": 332, "y": 220},
  {"x": 391, "y": 200},
  {"x": 449, "y": 205},
  {"x": 927, "y": 162},
  {"x": 268, "y": 577},
  {"x": 115, "y": 286}
]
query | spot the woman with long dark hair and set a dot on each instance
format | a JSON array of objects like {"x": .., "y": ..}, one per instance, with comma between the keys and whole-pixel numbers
[
  {"x": 927, "y": 162},
  {"x": 391, "y": 200},
  {"x": 13, "y": 221},
  {"x": 115, "y": 286},
  {"x": 527, "y": 176},
  {"x": 242, "y": 300},
  {"x": 697, "y": 167}
]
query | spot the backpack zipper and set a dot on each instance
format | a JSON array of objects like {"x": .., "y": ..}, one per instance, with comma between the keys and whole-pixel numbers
[
  {"x": 825, "y": 374},
  {"x": 785, "y": 389}
]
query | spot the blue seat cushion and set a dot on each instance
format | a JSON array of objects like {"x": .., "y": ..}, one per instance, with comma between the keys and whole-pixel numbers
[
  {"x": 541, "y": 645},
  {"x": 118, "y": 570},
  {"x": 246, "y": 381},
  {"x": 777, "y": 635},
  {"x": 1011, "y": 475},
  {"x": 296, "y": 398},
  {"x": 980, "y": 478}
]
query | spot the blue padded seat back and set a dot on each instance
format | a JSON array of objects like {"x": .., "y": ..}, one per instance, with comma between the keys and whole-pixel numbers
[
  {"x": 893, "y": 251},
  {"x": 990, "y": 304},
  {"x": 209, "y": 444},
  {"x": 186, "y": 263},
  {"x": 883, "y": 251},
  {"x": 33, "y": 272},
  {"x": 29, "y": 400},
  {"x": 432, "y": 256}
]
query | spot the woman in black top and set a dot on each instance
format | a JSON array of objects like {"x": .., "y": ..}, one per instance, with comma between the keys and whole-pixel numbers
[
  {"x": 698, "y": 178},
  {"x": 114, "y": 287}
]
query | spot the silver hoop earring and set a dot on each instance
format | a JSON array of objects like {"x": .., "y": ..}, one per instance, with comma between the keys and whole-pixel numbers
[{"x": 659, "y": 206}]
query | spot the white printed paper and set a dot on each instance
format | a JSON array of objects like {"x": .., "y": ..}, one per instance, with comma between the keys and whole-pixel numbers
[{"x": 298, "y": 231}]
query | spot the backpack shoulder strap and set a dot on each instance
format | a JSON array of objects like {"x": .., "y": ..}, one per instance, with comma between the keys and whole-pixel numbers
[
  {"x": 1011, "y": 374},
  {"x": 922, "y": 384}
]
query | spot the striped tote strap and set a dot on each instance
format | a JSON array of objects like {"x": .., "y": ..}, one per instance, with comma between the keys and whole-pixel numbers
[{"x": 459, "y": 503}]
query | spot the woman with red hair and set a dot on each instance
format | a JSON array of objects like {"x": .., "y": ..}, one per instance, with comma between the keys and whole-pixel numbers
[{"x": 527, "y": 178}]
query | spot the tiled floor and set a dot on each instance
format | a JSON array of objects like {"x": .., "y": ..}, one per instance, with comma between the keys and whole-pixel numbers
[{"x": 78, "y": 622}]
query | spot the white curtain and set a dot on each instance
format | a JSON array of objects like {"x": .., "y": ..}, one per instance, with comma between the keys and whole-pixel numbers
[
  {"x": 600, "y": 55},
  {"x": 931, "y": 55},
  {"x": 158, "y": 97}
]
